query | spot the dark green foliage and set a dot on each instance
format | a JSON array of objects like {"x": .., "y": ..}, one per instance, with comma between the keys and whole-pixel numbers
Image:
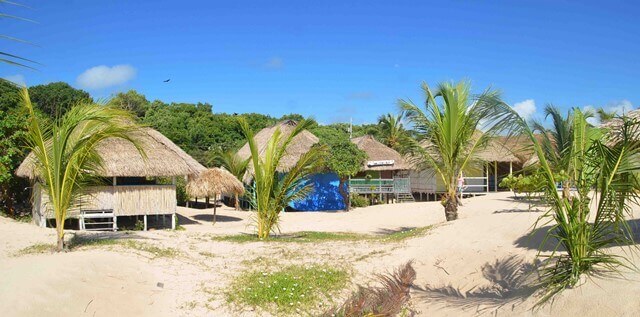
[
  {"x": 55, "y": 99},
  {"x": 345, "y": 159},
  {"x": 131, "y": 101},
  {"x": 12, "y": 128},
  {"x": 358, "y": 201}
]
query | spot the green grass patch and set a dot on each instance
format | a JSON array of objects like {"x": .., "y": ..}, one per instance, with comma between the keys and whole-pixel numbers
[
  {"x": 317, "y": 236},
  {"x": 78, "y": 242},
  {"x": 38, "y": 248},
  {"x": 293, "y": 289}
]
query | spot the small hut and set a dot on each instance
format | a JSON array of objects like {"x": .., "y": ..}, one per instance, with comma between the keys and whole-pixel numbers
[
  {"x": 213, "y": 182},
  {"x": 325, "y": 195},
  {"x": 496, "y": 161},
  {"x": 132, "y": 186},
  {"x": 385, "y": 173},
  {"x": 300, "y": 145}
]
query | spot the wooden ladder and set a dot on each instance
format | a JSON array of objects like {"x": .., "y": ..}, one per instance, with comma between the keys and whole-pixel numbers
[{"x": 106, "y": 215}]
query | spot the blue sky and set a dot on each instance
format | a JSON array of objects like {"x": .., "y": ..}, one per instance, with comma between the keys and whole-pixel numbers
[{"x": 333, "y": 59}]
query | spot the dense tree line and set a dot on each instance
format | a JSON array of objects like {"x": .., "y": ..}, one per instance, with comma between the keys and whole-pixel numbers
[{"x": 196, "y": 128}]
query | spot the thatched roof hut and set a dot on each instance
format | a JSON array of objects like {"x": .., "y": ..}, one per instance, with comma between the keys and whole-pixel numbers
[
  {"x": 380, "y": 156},
  {"x": 122, "y": 159},
  {"x": 300, "y": 144},
  {"x": 496, "y": 151},
  {"x": 212, "y": 182}
]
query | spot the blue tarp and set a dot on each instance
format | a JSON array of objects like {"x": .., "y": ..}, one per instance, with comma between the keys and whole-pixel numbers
[{"x": 325, "y": 194}]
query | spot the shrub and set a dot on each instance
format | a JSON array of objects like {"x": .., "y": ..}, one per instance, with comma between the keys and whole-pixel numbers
[{"x": 359, "y": 201}]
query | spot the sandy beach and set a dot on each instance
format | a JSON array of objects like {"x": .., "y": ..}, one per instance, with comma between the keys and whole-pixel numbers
[{"x": 473, "y": 255}]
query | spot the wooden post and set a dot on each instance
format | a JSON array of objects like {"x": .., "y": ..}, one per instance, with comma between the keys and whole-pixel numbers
[
  {"x": 495, "y": 176},
  {"x": 510, "y": 168},
  {"x": 214, "y": 208},
  {"x": 487, "y": 177},
  {"x": 145, "y": 222},
  {"x": 173, "y": 221},
  {"x": 115, "y": 216}
]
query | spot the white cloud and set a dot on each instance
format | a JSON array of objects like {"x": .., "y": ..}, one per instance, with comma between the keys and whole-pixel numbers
[
  {"x": 104, "y": 76},
  {"x": 525, "y": 108},
  {"x": 274, "y": 63},
  {"x": 16, "y": 79},
  {"x": 620, "y": 107}
]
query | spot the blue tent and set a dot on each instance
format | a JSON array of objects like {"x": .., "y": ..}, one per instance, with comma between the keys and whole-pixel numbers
[{"x": 325, "y": 194}]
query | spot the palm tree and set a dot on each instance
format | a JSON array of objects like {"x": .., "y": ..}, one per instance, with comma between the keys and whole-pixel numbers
[
  {"x": 604, "y": 115},
  {"x": 8, "y": 58},
  {"x": 392, "y": 132},
  {"x": 272, "y": 190},
  {"x": 557, "y": 143},
  {"x": 64, "y": 151},
  {"x": 604, "y": 171},
  {"x": 449, "y": 131},
  {"x": 234, "y": 164}
]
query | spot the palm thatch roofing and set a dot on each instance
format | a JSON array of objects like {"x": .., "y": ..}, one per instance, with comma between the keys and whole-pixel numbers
[
  {"x": 122, "y": 159},
  {"x": 212, "y": 182},
  {"x": 496, "y": 151},
  {"x": 377, "y": 151},
  {"x": 300, "y": 144}
]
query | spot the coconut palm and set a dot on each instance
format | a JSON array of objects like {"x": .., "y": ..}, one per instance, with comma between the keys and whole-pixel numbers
[
  {"x": 604, "y": 172},
  {"x": 65, "y": 153},
  {"x": 449, "y": 131},
  {"x": 8, "y": 58},
  {"x": 393, "y": 133},
  {"x": 234, "y": 164},
  {"x": 272, "y": 190}
]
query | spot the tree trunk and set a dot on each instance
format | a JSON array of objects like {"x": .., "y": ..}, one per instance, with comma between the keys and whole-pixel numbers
[
  {"x": 237, "y": 202},
  {"x": 60, "y": 232},
  {"x": 214, "y": 208},
  {"x": 451, "y": 207},
  {"x": 345, "y": 195}
]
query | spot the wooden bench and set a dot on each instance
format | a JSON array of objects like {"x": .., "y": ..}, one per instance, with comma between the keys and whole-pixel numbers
[{"x": 105, "y": 214}]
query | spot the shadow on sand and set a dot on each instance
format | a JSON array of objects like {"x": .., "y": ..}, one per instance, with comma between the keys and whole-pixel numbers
[
  {"x": 219, "y": 218},
  {"x": 512, "y": 280},
  {"x": 535, "y": 238}
]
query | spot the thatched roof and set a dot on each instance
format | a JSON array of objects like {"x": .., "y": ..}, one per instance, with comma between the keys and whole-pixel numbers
[
  {"x": 496, "y": 151},
  {"x": 298, "y": 146},
  {"x": 378, "y": 152},
  {"x": 213, "y": 181},
  {"x": 122, "y": 159}
]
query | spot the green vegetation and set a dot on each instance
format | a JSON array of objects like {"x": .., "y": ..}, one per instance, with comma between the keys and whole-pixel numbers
[
  {"x": 317, "y": 236},
  {"x": 358, "y": 201},
  {"x": 12, "y": 130},
  {"x": 56, "y": 99},
  {"x": 603, "y": 170},
  {"x": 291, "y": 290},
  {"x": 65, "y": 156},
  {"x": 346, "y": 160},
  {"x": 393, "y": 133},
  {"x": 450, "y": 132},
  {"x": 78, "y": 242},
  {"x": 272, "y": 192}
]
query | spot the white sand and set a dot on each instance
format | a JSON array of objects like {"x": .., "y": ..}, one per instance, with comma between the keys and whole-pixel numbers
[{"x": 120, "y": 282}]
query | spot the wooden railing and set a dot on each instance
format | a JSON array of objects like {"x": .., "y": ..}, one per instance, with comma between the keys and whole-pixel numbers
[{"x": 380, "y": 186}]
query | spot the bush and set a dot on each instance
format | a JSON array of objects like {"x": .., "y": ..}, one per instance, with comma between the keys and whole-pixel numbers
[{"x": 358, "y": 201}]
